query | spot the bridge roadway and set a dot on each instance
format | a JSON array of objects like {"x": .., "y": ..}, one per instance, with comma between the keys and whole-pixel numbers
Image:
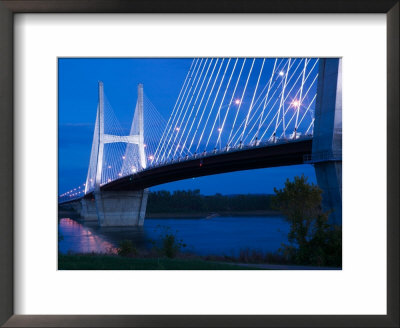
[{"x": 263, "y": 156}]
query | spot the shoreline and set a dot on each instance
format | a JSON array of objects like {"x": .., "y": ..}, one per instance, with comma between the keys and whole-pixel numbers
[
  {"x": 185, "y": 215},
  {"x": 213, "y": 214}
]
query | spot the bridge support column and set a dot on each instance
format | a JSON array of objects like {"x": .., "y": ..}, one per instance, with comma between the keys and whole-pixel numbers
[
  {"x": 329, "y": 179},
  {"x": 121, "y": 208},
  {"x": 76, "y": 207},
  {"x": 327, "y": 140}
]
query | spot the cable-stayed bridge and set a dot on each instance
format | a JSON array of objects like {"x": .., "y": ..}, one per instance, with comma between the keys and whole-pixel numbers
[{"x": 231, "y": 114}]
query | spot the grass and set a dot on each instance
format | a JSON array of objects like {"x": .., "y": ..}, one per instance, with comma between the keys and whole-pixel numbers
[{"x": 112, "y": 262}]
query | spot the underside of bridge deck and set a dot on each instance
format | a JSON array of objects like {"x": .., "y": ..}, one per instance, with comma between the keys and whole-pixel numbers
[{"x": 282, "y": 154}]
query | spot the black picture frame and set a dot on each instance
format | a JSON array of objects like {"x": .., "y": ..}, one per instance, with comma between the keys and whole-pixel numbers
[{"x": 10, "y": 7}]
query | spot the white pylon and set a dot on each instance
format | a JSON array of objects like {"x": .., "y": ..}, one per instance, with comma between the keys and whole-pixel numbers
[
  {"x": 140, "y": 143},
  {"x": 104, "y": 138},
  {"x": 100, "y": 152}
]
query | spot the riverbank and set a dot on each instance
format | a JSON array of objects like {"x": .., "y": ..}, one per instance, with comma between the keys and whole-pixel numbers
[
  {"x": 114, "y": 262},
  {"x": 199, "y": 215},
  {"x": 213, "y": 214}
]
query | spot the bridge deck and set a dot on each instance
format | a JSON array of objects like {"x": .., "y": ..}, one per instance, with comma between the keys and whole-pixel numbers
[{"x": 282, "y": 154}]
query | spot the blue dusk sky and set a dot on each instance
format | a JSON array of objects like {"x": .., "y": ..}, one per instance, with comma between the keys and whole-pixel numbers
[{"x": 162, "y": 79}]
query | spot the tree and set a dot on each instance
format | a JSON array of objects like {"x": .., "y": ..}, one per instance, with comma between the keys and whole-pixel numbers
[{"x": 312, "y": 239}]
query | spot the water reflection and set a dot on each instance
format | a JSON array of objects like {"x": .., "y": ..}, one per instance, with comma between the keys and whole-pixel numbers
[
  {"x": 216, "y": 236},
  {"x": 77, "y": 238}
]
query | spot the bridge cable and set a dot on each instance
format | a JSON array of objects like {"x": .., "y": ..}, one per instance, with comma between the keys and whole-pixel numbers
[
  {"x": 300, "y": 101},
  {"x": 179, "y": 121},
  {"x": 173, "y": 110},
  {"x": 281, "y": 102},
  {"x": 281, "y": 119},
  {"x": 171, "y": 127},
  {"x": 240, "y": 104},
  {"x": 266, "y": 97},
  {"x": 231, "y": 100},
  {"x": 252, "y": 100},
  {"x": 198, "y": 107},
  {"x": 220, "y": 105},
  {"x": 305, "y": 95},
  {"x": 213, "y": 104},
  {"x": 191, "y": 111},
  {"x": 254, "y": 115},
  {"x": 208, "y": 99},
  {"x": 284, "y": 100},
  {"x": 205, "y": 106}
]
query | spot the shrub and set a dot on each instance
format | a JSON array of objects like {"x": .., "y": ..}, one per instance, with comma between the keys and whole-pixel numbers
[
  {"x": 126, "y": 248},
  {"x": 170, "y": 244}
]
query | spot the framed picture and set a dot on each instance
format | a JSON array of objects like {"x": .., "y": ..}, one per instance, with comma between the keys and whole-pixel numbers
[{"x": 270, "y": 87}]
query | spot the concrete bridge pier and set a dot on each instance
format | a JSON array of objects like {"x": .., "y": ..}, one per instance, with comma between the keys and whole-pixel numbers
[
  {"x": 88, "y": 209},
  {"x": 329, "y": 179},
  {"x": 76, "y": 207},
  {"x": 327, "y": 141},
  {"x": 120, "y": 208}
]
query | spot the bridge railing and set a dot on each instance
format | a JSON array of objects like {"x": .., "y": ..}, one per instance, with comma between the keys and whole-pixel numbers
[{"x": 224, "y": 150}]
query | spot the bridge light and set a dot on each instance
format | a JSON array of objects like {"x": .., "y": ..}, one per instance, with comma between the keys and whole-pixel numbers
[
  {"x": 120, "y": 174},
  {"x": 151, "y": 157},
  {"x": 281, "y": 73},
  {"x": 219, "y": 129},
  {"x": 295, "y": 103},
  {"x": 109, "y": 166},
  {"x": 177, "y": 129},
  {"x": 123, "y": 157},
  {"x": 144, "y": 145},
  {"x": 237, "y": 101}
]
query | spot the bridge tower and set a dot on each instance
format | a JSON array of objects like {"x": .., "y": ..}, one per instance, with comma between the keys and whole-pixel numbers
[
  {"x": 116, "y": 208},
  {"x": 327, "y": 141}
]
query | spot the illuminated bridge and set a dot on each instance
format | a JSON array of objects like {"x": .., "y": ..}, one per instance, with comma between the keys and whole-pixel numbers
[{"x": 231, "y": 114}]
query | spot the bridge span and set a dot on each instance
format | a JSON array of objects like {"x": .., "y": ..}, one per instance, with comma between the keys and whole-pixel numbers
[{"x": 283, "y": 153}]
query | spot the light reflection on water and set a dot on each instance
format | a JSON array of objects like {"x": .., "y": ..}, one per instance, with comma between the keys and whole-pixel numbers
[
  {"x": 216, "y": 236},
  {"x": 77, "y": 238}
]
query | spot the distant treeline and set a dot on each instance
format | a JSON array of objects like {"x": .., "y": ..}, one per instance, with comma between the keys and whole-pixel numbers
[{"x": 191, "y": 201}]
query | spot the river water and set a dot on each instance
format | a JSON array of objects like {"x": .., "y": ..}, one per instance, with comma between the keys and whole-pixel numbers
[{"x": 214, "y": 236}]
